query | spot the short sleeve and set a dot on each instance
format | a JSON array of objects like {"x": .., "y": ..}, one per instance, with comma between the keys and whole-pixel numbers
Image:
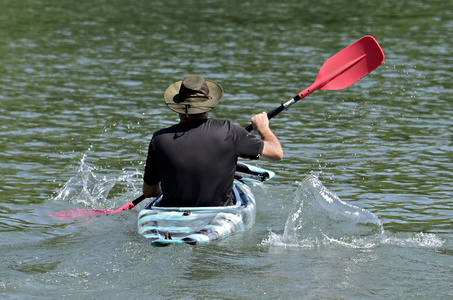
[
  {"x": 151, "y": 176},
  {"x": 247, "y": 145}
]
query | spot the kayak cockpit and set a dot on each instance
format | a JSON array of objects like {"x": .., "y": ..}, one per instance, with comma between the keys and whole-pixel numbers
[{"x": 168, "y": 225}]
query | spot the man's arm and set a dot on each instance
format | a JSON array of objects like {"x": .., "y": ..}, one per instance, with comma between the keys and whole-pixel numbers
[
  {"x": 272, "y": 149},
  {"x": 151, "y": 190}
]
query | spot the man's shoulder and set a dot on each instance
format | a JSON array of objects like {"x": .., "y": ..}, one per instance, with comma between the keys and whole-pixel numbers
[
  {"x": 213, "y": 124},
  {"x": 223, "y": 123},
  {"x": 170, "y": 129},
  {"x": 217, "y": 122}
]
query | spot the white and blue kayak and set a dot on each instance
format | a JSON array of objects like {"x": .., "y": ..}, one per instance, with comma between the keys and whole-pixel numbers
[{"x": 169, "y": 225}]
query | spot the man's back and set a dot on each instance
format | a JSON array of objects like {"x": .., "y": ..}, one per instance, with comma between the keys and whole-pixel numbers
[{"x": 196, "y": 161}]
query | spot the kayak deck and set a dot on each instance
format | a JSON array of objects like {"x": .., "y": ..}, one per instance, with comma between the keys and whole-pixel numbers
[{"x": 192, "y": 225}]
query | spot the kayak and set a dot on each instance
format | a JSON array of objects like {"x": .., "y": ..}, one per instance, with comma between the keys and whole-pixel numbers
[{"x": 192, "y": 225}]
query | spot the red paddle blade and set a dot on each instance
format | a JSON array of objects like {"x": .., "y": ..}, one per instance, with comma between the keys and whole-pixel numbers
[
  {"x": 78, "y": 214},
  {"x": 350, "y": 64}
]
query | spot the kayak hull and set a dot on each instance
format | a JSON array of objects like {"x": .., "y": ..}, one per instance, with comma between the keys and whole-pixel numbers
[{"x": 192, "y": 225}]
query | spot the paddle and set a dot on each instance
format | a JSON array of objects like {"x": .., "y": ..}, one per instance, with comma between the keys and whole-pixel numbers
[{"x": 341, "y": 70}]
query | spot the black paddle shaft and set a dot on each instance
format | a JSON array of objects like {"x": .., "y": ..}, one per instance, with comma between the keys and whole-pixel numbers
[
  {"x": 138, "y": 200},
  {"x": 278, "y": 110}
]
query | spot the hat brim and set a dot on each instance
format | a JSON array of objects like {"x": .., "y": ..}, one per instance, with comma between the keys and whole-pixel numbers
[{"x": 194, "y": 105}]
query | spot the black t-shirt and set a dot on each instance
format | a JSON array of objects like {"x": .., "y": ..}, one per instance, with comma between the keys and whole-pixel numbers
[{"x": 195, "y": 162}]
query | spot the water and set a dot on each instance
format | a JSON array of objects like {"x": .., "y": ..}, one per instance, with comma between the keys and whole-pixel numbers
[{"x": 361, "y": 204}]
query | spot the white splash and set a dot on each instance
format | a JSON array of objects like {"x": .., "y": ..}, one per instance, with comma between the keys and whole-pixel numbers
[
  {"x": 320, "y": 218},
  {"x": 87, "y": 188}
]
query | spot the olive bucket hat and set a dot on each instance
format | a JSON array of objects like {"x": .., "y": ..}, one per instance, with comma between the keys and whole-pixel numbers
[{"x": 193, "y": 95}]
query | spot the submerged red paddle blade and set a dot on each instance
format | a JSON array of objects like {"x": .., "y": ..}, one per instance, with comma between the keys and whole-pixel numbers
[{"x": 78, "y": 214}]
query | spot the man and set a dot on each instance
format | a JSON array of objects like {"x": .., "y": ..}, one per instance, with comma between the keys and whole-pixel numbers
[{"x": 193, "y": 162}]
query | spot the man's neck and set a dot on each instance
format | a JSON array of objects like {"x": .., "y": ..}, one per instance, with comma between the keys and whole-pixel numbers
[{"x": 189, "y": 118}]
